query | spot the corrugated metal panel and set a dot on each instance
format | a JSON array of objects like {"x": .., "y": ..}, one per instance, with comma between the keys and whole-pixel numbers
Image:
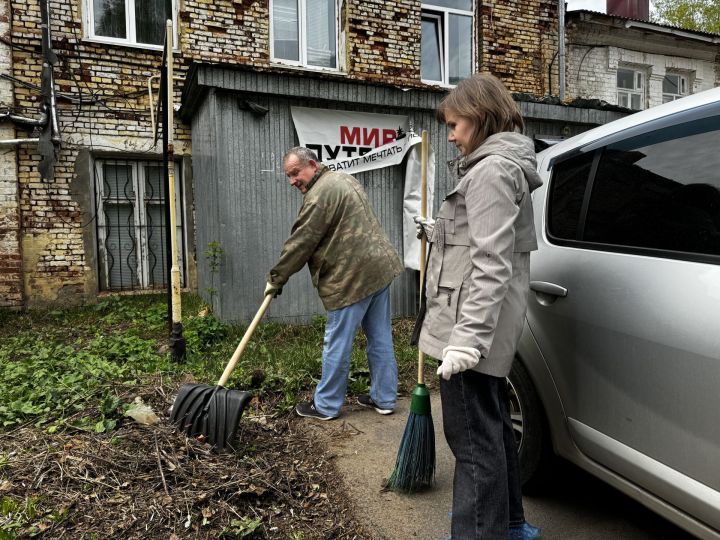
[
  {"x": 243, "y": 199},
  {"x": 318, "y": 89},
  {"x": 245, "y": 203},
  {"x": 205, "y": 185},
  {"x": 259, "y": 208}
]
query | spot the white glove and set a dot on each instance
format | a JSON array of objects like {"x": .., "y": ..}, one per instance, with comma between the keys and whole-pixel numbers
[
  {"x": 457, "y": 359},
  {"x": 272, "y": 289},
  {"x": 424, "y": 225}
]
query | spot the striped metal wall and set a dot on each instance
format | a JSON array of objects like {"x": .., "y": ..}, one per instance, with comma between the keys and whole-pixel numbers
[{"x": 243, "y": 200}]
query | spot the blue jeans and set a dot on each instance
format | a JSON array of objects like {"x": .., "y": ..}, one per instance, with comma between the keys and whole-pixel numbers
[
  {"x": 486, "y": 488},
  {"x": 373, "y": 313}
]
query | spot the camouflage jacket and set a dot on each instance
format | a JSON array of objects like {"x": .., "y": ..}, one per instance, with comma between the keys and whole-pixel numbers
[{"x": 339, "y": 237}]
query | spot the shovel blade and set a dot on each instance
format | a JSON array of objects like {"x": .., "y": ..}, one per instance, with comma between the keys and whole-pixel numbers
[{"x": 211, "y": 411}]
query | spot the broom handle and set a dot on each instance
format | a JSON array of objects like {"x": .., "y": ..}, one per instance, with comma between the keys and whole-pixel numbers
[
  {"x": 245, "y": 339},
  {"x": 424, "y": 147}
]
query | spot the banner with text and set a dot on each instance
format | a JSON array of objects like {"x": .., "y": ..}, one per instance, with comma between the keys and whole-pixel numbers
[{"x": 353, "y": 142}]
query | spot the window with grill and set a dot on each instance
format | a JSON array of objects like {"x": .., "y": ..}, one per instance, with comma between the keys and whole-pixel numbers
[
  {"x": 131, "y": 224},
  {"x": 446, "y": 44},
  {"x": 674, "y": 87},
  {"x": 304, "y": 33},
  {"x": 631, "y": 88},
  {"x": 129, "y": 22}
]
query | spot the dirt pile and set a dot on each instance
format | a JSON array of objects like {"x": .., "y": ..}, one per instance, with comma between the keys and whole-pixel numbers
[{"x": 153, "y": 482}]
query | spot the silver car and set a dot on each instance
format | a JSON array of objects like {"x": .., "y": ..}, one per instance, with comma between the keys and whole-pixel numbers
[{"x": 618, "y": 368}]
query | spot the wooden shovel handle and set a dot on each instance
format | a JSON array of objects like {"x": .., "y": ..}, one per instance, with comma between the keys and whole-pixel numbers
[
  {"x": 424, "y": 154},
  {"x": 245, "y": 339}
]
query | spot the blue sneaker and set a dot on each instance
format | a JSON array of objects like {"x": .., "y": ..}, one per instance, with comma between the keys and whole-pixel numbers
[{"x": 524, "y": 532}]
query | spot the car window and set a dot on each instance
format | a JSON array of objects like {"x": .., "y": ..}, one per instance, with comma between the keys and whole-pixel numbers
[
  {"x": 567, "y": 189},
  {"x": 657, "y": 191}
]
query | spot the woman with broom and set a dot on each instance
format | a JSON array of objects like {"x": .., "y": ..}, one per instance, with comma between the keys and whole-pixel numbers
[{"x": 476, "y": 291}]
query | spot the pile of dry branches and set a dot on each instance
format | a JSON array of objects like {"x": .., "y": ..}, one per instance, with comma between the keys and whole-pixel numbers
[{"x": 153, "y": 482}]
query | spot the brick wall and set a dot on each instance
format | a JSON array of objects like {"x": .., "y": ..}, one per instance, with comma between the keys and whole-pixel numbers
[
  {"x": 384, "y": 41},
  {"x": 103, "y": 106},
  {"x": 597, "y": 50},
  {"x": 519, "y": 42},
  {"x": 10, "y": 254}
]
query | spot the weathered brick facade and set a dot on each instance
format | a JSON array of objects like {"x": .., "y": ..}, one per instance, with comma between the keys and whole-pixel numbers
[
  {"x": 600, "y": 44},
  {"x": 103, "y": 107},
  {"x": 519, "y": 41},
  {"x": 10, "y": 254}
]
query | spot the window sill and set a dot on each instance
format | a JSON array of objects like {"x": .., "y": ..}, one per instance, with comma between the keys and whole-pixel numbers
[
  {"x": 438, "y": 84},
  {"x": 315, "y": 69},
  {"x": 118, "y": 43}
]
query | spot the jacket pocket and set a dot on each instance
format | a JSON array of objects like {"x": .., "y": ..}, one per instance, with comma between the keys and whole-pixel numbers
[
  {"x": 442, "y": 312},
  {"x": 446, "y": 213},
  {"x": 446, "y": 276}
]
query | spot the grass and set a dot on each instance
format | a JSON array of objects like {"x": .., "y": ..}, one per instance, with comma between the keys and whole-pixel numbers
[{"x": 72, "y": 368}]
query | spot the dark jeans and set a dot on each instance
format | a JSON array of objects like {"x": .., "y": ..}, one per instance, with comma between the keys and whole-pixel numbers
[{"x": 486, "y": 487}]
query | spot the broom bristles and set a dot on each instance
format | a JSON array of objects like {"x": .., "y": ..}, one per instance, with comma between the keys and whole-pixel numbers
[{"x": 415, "y": 462}]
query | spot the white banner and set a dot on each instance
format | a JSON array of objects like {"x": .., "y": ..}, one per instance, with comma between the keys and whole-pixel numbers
[
  {"x": 354, "y": 142},
  {"x": 412, "y": 194}
]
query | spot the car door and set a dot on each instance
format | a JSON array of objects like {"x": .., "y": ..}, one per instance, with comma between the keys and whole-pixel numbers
[{"x": 625, "y": 307}]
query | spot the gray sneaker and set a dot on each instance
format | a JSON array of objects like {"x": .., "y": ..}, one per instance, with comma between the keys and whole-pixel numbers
[
  {"x": 307, "y": 409},
  {"x": 366, "y": 401}
]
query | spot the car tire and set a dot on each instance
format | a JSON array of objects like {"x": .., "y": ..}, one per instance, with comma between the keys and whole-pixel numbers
[{"x": 530, "y": 426}]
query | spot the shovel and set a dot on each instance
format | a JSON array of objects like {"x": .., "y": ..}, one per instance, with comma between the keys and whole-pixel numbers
[{"x": 214, "y": 411}]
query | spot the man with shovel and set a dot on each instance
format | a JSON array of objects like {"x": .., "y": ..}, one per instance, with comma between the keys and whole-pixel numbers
[{"x": 352, "y": 263}]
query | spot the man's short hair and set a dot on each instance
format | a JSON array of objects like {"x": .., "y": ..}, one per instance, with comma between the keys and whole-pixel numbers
[{"x": 303, "y": 154}]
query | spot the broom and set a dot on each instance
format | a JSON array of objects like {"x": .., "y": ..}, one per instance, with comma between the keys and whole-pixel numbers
[{"x": 415, "y": 462}]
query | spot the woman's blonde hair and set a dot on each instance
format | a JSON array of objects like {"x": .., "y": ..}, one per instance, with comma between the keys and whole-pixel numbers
[{"x": 485, "y": 101}]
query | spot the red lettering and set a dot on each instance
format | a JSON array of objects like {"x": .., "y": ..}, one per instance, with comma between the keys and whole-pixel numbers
[
  {"x": 388, "y": 136},
  {"x": 370, "y": 135},
  {"x": 349, "y": 136}
]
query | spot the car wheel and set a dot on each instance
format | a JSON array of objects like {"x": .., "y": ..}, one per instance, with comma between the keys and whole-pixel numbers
[{"x": 530, "y": 428}]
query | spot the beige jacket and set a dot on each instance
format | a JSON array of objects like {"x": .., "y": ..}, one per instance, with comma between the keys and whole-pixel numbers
[
  {"x": 478, "y": 268},
  {"x": 341, "y": 240}
]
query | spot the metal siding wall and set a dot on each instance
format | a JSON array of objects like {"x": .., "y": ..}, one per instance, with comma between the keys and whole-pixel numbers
[
  {"x": 243, "y": 199},
  {"x": 206, "y": 203},
  {"x": 256, "y": 208},
  {"x": 259, "y": 209}
]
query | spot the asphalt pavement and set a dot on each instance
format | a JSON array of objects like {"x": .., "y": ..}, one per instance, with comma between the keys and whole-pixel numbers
[{"x": 576, "y": 507}]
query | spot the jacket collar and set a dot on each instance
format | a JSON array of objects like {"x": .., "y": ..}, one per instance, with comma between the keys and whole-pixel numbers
[{"x": 322, "y": 169}]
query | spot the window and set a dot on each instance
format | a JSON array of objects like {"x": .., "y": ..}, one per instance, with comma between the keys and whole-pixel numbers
[
  {"x": 134, "y": 22},
  {"x": 630, "y": 89},
  {"x": 570, "y": 179},
  {"x": 674, "y": 87},
  {"x": 658, "y": 191},
  {"x": 304, "y": 33},
  {"x": 131, "y": 224},
  {"x": 446, "y": 44}
]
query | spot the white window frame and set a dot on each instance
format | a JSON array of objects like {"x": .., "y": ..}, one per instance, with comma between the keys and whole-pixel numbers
[
  {"x": 443, "y": 15},
  {"x": 640, "y": 91},
  {"x": 142, "y": 271},
  {"x": 684, "y": 90},
  {"x": 302, "y": 39},
  {"x": 130, "y": 40}
]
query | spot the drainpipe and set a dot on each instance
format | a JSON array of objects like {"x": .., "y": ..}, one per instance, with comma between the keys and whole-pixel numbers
[
  {"x": 50, "y": 134},
  {"x": 49, "y": 140},
  {"x": 561, "y": 48}
]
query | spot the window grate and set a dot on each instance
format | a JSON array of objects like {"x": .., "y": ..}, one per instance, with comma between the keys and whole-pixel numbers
[{"x": 131, "y": 225}]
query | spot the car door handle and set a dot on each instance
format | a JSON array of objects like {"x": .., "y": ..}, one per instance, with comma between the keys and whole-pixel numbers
[{"x": 548, "y": 288}]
